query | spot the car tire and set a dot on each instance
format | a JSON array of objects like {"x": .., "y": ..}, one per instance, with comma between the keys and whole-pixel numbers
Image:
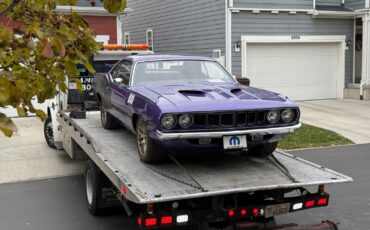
[
  {"x": 49, "y": 133},
  {"x": 108, "y": 121},
  {"x": 264, "y": 149},
  {"x": 95, "y": 180},
  {"x": 148, "y": 150}
]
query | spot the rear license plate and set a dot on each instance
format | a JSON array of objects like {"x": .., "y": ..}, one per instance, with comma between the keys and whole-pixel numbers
[
  {"x": 235, "y": 142},
  {"x": 278, "y": 209}
]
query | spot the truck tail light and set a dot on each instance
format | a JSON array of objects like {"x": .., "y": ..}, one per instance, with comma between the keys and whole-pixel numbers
[
  {"x": 322, "y": 201},
  {"x": 231, "y": 213},
  {"x": 182, "y": 218},
  {"x": 310, "y": 203},
  {"x": 297, "y": 206},
  {"x": 256, "y": 211},
  {"x": 166, "y": 220},
  {"x": 150, "y": 222},
  {"x": 243, "y": 212}
]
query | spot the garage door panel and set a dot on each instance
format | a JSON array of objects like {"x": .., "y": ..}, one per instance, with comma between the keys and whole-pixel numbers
[{"x": 301, "y": 71}]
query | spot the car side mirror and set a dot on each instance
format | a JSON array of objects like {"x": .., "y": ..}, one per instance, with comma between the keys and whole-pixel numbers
[
  {"x": 243, "y": 81},
  {"x": 118, "y": 80}
]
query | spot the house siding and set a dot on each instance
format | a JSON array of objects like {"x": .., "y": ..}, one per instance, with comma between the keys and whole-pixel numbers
[
  {"x": 247, "y": 23},
  {"x": 274, "y": 4},
  {"x": 182, "y": 26},
  {"x": 103, "y": 25},
  {"x": 355, "y": 4}
]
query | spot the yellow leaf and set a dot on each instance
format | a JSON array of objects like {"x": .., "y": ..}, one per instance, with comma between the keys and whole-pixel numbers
[
  {"x": 114, "y": 6},
  {"x": 6, "y": 125},
  {"x": 47, "y": 50}
]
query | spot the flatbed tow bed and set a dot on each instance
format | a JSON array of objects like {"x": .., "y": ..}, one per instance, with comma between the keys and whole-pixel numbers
[{"x": 243, "y": 190}]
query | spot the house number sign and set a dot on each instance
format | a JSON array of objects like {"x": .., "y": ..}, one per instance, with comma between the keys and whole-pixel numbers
[{"x": 296, "y": 37}]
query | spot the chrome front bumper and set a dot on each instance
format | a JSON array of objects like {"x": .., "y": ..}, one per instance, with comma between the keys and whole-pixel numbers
[{"x": 280, "y": 130}]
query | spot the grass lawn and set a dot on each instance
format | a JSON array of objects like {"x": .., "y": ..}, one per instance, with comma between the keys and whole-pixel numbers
[{"x": 310, "y": 137}]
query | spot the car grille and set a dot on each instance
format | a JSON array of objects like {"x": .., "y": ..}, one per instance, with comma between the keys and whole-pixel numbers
[{"x": 237, "y": 119}]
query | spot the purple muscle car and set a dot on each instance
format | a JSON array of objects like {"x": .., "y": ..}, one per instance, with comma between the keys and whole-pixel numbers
[{"x": 186, "y": 103}]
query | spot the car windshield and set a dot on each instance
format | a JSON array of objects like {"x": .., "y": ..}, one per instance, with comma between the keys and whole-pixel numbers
[{"x": 179, "y": 71}]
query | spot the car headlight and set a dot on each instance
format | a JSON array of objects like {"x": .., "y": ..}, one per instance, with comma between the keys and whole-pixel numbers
[
  {"x": 185, "y": 120},
  {"x": 287, "y": 115},
  {"x": 273, "y": 116},
  {"x": 168, "y": 121}
]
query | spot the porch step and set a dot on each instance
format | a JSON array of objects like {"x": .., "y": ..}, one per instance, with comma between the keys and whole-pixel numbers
[{"x": 354, "y": 93}]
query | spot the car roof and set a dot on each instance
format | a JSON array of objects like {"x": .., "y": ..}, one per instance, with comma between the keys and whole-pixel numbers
[{"x": 141, "y": 58}]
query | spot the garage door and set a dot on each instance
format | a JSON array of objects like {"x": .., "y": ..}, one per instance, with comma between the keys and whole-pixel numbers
[{"x": 302, "y": 71}]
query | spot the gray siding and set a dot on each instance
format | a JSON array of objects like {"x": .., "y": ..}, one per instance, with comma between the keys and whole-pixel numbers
[
  {"x": 245, "y": 23},
  {"x": 275, "y": 4},
  {"x": 181, "y": 26},
  {"x": 329, "y": 2},
  {"x": 355, "y": 4}
]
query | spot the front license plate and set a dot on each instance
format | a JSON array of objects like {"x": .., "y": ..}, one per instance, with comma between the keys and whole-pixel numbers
[
  {"x": 278, "y": 209},
  {"x": 235, "y": 142}
]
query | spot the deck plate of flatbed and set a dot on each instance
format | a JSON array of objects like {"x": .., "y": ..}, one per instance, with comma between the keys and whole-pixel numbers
[{"x": 216, "y": 173}]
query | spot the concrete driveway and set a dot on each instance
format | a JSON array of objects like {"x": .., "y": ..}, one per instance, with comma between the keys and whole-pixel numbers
[
  {"x": 26, "y": 155},
  {"x": 350, "y": 118}
]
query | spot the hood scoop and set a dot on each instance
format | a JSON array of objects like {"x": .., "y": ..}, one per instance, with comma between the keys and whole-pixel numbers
[
  {"x": 235, "y": 90},
  {"x": 192, "y": 92}
]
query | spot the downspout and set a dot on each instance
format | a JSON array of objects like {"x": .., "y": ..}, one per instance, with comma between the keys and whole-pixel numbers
[
  {"x": 314, "y": 4},
  {"x": 365, "y": 54},
  {"x": 228, "y": 45}
]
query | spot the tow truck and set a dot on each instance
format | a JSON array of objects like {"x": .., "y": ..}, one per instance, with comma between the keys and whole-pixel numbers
[{"x": 238, "y": 190}]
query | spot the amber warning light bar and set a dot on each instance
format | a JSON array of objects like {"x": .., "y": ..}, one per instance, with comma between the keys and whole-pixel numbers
[{"x": 126, "y": 47}]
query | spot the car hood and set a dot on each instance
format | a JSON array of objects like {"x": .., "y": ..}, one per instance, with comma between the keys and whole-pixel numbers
[{"x": 211, "y": 97}]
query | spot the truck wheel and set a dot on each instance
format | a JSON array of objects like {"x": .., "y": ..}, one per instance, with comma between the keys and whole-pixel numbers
[
  {"x": 48, "y": 132},
  {"x": 264, "y": 149},
  {"x": 149, "y": 151},
  {"x": 94, "y": 181},
  {"x": 107, "y": 120}
]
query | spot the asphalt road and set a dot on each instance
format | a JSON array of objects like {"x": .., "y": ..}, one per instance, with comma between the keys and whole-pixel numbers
[{"x": 58, "y": 204}]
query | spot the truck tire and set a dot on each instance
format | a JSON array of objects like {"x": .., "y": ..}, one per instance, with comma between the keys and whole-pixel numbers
[
  {"x": 264, "y": 149},
  {"x": 48, "y": 132},
  {"x": 108, "y": 121},
  {"x": 148, "y": 150},
  {"x": 94, "y": 181}
]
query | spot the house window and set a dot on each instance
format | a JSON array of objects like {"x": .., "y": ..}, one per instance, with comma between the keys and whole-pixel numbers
[
  {"x": 126, "y": 38},
  {"x": 149, "y": 39}
]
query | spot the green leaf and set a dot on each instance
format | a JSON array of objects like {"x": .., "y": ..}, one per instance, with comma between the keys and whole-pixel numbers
[
  {"x": 114, "y": 6},
  {"x": 60, "y": 47},
  {"x": 79, "y": 84},
  {"x": 21, "y": 111},
  {"x": 41, "y": 114},
  {"x": 6, "y": 125},
  {"x": 4, "y": 90},
  {"x": 89, "y": 67}
]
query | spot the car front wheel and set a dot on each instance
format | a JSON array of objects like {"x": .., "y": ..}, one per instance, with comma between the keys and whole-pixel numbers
[
  {"x": 149, "y": 151},
  {"x": 264, "y": 149}
]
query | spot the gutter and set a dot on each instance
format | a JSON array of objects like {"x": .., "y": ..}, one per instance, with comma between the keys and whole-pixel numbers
[{"x": 84, "y": 10}]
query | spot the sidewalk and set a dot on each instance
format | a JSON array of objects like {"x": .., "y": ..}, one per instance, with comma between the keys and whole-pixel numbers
[{"x": 26, "y": 156}]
